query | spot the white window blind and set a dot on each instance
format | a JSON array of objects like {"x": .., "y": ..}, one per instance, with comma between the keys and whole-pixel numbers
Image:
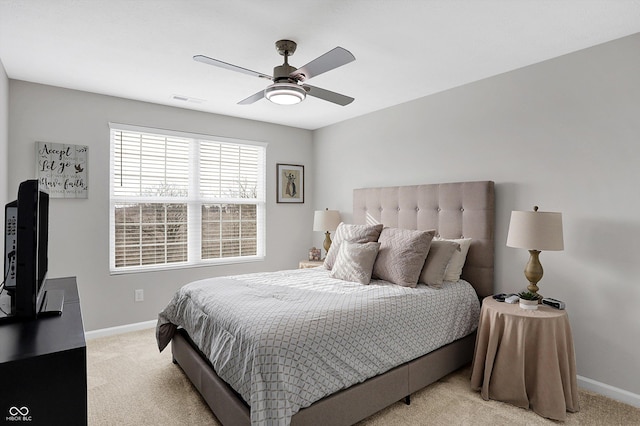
[{"x": 179, "y": 199}]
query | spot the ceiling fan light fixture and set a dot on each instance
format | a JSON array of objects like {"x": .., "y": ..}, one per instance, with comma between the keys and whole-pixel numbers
[{"x": 285, "y": 93}]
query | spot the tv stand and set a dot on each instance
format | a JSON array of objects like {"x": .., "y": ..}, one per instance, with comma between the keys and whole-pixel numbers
[{"x": 43, "y": 365}]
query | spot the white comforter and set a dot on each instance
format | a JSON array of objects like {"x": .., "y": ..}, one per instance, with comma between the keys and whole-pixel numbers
[{"x": 286, "y": 339}]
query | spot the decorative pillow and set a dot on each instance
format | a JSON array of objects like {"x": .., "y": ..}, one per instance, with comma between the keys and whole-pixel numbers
[
  {"x": 454, "y": 269},
  {"x": 402, "y": 255},
  {"x": 354, "y": 262},
  {"x": 439, "y": 256},
  {"x": 353, "y": 234}
]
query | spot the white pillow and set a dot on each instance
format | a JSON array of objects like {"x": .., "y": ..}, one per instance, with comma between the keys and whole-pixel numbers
[
  {"x": 454, "y": 268},
  {"x": 354, "y": 262}
]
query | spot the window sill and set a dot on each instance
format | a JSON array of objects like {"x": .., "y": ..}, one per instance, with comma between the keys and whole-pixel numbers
[{"x": 176, "y": 266}]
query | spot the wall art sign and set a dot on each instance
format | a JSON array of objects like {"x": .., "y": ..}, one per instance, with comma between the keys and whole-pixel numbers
[{"x": 62, "y": 169}]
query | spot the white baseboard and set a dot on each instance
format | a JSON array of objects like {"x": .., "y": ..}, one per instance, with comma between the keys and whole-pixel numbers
[
  {"x": 609, "y": 391},
  {"x": 583, "y": 382},
  {"x": 112, "y": 331}
]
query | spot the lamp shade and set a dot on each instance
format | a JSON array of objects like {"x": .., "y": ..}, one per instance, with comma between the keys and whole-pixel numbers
[
  {"x": 534, "y": 230},
  {"x": 326, "y": 220}
]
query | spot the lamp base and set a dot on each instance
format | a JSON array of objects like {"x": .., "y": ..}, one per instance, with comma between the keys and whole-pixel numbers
[
  {"x": 327, "y": 242},
  {"x": 533, "y": 272}
]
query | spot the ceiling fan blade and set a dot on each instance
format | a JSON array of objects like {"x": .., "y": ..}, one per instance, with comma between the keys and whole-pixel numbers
[
  {"x": 332, "y": 59},
  {"x": 253, "y": 98},
  {"x": 328, "y": 95},
  {"x": 215, "y": 62}
]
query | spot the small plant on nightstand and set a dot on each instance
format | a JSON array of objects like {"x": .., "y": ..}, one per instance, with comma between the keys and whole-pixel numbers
[{"x": 528, "y": 300}]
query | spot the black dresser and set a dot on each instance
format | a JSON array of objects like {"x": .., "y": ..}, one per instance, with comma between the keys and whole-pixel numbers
[{"x": 43, "y": 366}]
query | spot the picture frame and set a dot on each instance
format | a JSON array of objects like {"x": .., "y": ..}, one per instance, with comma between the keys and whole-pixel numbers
[
  {"x": 290, "y": 183},
  {"x": 63, "y": 169}
]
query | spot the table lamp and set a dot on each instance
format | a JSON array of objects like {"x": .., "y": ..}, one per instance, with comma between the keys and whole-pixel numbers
[
  {"x": 328, "y": 221},
  {"x": 535, "y": 231}
]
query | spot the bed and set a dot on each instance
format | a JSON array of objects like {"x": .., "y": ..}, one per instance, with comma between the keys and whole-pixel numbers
[{"x": 453, "y": 210}]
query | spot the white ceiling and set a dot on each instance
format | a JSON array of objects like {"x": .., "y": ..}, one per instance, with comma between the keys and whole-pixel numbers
[{"x": 404, "y": 49}]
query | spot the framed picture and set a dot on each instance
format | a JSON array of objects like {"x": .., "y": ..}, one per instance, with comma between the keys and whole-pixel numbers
[
  {"x": 290, "y": 183},
  {"x": 62, "y": 169}
]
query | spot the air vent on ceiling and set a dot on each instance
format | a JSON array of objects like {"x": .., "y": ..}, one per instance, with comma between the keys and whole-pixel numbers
[{"x": 183, "y": 98}]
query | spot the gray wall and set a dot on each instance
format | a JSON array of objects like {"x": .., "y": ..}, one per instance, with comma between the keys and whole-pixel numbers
[
  {"x": 4, "y": 137},
  {"x": 562, "y": 134},
  {"x": 79, "y": 229}
]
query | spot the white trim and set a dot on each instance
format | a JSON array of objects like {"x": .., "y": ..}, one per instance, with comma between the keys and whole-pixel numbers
[
  {"x": 583, "y": 382},
  {"x": 183, "y": 265},
  {"x": 112, "y": 331},
  {"x": 609, "y": 391}
]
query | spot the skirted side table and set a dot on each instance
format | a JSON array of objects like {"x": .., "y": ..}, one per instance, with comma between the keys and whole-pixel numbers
[{"x": 526, "y": 358}]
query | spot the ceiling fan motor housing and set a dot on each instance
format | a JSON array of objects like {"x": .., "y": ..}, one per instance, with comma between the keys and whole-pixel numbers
[{"x": 281, "y": 73}]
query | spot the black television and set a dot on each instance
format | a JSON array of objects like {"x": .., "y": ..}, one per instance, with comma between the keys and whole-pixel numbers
[{"x": 31, "y": 239}]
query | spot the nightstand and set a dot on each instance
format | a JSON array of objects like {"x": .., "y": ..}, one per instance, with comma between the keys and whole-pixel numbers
[
  {"x": 526, "y": 358},
  {"x": 310, "y": 263}
]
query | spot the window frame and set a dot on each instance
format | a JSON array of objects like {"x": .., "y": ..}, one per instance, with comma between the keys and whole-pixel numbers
[{"x": 194, "y": 201}]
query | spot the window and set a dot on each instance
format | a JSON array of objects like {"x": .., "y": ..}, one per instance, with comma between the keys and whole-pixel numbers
[{"x": 180, "y": 199}]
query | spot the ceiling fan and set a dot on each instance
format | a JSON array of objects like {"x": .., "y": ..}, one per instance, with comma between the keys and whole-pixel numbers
[{"x": 289, "y": 85}]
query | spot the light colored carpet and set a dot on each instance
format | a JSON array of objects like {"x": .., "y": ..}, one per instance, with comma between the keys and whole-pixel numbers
[{"x": 130, "y": 383}]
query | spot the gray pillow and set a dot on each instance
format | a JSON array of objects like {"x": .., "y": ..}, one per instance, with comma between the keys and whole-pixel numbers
[
  {"x": 354, "y": 262},
  {"x": 439, "y": 256},
  {"x": 402, "y": 255},
  {"x": 353, "y": 234}
]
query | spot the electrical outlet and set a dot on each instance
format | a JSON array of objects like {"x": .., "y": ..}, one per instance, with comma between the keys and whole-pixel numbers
[{"x": 139, "y": 295}]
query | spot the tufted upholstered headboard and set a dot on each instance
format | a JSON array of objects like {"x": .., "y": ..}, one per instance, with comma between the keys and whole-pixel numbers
[{"x": 454, "y": 210}]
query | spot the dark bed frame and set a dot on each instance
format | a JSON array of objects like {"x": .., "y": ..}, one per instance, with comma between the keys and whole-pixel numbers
[{"x": 455, "y": 210}]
